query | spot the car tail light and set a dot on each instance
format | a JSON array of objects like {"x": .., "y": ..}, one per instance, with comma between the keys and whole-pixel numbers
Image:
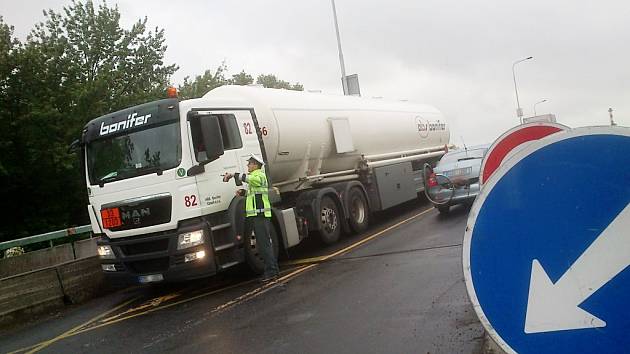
[{"x": 432, "y": 181}]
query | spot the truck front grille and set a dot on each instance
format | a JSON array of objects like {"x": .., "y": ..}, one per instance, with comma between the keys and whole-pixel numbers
[
  {"x": 145, "y": 247},
  {"x": 155, "y": 265}
]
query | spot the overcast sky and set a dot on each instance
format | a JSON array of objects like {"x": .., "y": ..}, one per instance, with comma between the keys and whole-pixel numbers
[{"x": 455, "y": 55}]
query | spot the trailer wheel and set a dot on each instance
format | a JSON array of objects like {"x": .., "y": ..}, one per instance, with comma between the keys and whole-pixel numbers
[
  {"x": 329, "y": 222},
  {"x": 358, "y": 210},
  {"x": 252, "y": 255}
]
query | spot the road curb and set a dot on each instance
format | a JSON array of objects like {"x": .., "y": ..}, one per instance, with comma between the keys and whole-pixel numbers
[{"x": 489, "y": 346}]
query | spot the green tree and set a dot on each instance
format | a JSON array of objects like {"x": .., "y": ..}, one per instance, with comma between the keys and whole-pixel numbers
[
  {"x": 8, "y": 48},
  {"x": 75, "y": 65},
  {"x": 203, "y": 83},
  {"x": 9, "y": 154},
  {"x": 242, "y": 79},
  {"x": 105, "y": 66},
  {"x": 271, "y": 81},
  {"x": 214, "y": 78}
]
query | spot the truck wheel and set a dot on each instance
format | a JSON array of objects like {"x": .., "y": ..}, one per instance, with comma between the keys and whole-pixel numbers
[
  {"x": 358, "y": 209},
  {"x": 329, "y": 222},
  {"x": 252, "y": 255}
]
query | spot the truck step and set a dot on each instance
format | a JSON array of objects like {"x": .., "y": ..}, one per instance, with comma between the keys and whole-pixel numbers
[
  {"x": 220, "y": 227},
  {"x": 228, "y": 265},
  {"x": 224, "y": 247}
]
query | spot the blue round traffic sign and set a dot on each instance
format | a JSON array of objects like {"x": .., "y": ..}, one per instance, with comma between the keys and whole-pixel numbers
[{"x": 546, "y": 252}]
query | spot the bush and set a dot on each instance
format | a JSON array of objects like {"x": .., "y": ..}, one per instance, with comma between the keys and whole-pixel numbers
[{"x": 13, "y": 251}]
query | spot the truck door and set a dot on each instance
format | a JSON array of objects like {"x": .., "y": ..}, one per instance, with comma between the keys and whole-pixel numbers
[{"x": 239, "y": 140}]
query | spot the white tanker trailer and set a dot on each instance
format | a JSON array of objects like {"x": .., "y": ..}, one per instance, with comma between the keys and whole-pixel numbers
[{"x": 154, "y": 174}]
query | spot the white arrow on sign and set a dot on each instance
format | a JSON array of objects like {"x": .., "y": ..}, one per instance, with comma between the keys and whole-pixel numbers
[{"x": 554, "y": 307}]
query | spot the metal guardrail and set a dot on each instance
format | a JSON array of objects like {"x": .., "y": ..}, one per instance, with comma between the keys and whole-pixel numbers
[{"x": 49, "y": 236}]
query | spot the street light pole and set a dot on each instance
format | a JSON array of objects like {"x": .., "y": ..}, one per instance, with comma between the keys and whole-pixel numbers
[
  {"x": 545, "y": 100},
  {"x": 519, "y": 111},
  {"x": 344, "y": 81}
]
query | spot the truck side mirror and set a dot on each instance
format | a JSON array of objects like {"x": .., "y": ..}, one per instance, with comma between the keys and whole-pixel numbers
[
  {"x": 211, "y": 135},
  {"x": 208, "y": 132}
]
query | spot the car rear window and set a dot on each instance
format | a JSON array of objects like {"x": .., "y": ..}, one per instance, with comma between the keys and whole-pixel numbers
[{"x": 462, "y": 155}]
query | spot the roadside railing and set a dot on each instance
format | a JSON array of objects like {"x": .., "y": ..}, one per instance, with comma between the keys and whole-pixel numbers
[
  {"x": 49, "y": 237},
  {"x": 57, "y": 268}
]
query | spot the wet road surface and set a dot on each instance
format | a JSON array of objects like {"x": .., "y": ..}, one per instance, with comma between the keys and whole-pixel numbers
[{"x": 398, "y": 288}]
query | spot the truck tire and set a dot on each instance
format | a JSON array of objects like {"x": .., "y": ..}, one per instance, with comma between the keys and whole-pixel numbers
[
  {"x": 329, "y": 221},
  {"x": 252, "y": 256},
  {"x": 358, "y": 210}
]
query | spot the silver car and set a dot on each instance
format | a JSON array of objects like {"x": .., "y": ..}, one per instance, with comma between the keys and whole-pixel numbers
[{"x": 455, "y": 179}]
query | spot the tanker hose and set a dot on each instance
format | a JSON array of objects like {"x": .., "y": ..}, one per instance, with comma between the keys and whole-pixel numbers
[{"x": 438, "y": 188}]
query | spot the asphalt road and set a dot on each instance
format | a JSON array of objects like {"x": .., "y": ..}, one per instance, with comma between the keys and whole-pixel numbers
[{"x": 398, "y": 288}]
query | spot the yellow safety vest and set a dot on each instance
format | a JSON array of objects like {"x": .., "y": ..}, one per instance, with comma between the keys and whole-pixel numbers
[{"x": 257, "y": 185}]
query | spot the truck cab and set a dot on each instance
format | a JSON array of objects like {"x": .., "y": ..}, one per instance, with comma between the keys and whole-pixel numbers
[{"x": 153, "y": 173}]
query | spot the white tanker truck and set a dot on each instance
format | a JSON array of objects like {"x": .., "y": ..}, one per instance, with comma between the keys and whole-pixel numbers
[{"x": 154, "y": 174}]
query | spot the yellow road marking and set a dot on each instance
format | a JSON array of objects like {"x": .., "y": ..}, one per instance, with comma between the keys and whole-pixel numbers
[
  {"x": 367, "y": 239},
  {"x": 354, "y": 245},
  {"x": 247, "y": 296},
  {"x": 149, "y": 304},
  {"x": 44, "y": 344},
  {"x": 75, "y": 331},
  {"x": 260, "y": 290},
  {"x": 303, "y": 261},
  {"x": 159, "y": 308}
]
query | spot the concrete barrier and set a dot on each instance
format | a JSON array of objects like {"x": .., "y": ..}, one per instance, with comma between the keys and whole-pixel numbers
[
  {"x": 35, "y": 260},
  {"x": 37, "y": 291},
  {"x": 29, "y": 293},
  {"x": 85, "y": 248},
  {"x": 82, "y": 279}
]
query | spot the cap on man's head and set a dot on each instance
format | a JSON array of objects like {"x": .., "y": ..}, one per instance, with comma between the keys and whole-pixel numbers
[{"x": 256, "y": 159}]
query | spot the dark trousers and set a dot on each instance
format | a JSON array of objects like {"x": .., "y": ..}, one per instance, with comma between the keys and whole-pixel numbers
[{"x": 262, "y": 227}]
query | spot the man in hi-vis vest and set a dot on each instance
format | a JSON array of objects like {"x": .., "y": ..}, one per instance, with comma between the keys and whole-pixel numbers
[{"x": 258, "y": 212}]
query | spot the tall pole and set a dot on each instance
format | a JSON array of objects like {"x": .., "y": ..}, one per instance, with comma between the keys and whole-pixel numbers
[
  {"x": 519, "y": 111},
  {"x": 545, "y": 100},
  {"x": 343, "y": 68}
]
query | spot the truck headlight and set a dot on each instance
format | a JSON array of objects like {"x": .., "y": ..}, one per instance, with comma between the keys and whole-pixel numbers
[
  {"x": 193, "y": 256},
  {"x": 108, "y": 267},
  {"x": 189, "y": 239},
  {"x": 105, "y": 252}
]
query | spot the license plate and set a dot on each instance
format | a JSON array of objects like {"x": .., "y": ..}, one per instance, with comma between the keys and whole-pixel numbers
[
  {"x": 150, "y": 278},
  {"x": 458, "y": 172}
]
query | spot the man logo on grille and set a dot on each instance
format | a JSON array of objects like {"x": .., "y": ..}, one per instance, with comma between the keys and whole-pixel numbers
[{"x": 135, "y": 215}]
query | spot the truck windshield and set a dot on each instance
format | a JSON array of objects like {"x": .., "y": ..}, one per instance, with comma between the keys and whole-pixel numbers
[{"x": 152, "y": 150}]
